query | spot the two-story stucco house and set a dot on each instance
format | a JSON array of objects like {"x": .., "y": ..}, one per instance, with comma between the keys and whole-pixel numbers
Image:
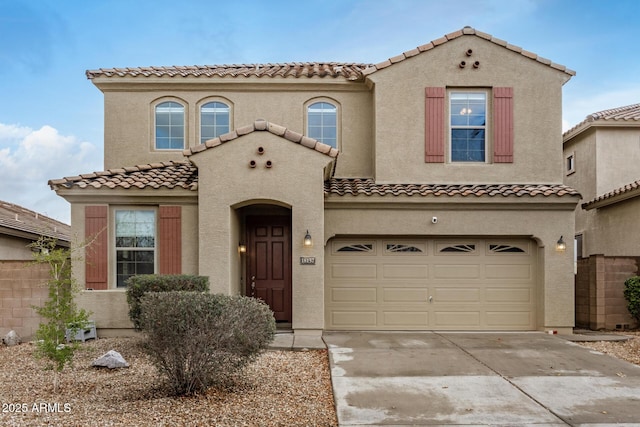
[
  {"x": 421, "y": 193},
  {"x": 602, "y": 154}
]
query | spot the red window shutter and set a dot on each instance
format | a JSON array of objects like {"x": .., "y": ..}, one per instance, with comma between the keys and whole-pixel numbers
[
  {"x": 170, "y": 231},
  {"x": 503, "y": 125},
  {"x": 434, "y": 125},
  {"x": 95, "y": 231}
]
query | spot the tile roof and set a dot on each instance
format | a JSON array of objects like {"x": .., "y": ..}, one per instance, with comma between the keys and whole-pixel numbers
[
  {"x": 155, "y": 175},
  {"x": 350, "y": 71},
  {"x": 262, "y": 125},
  {"x": 368, "y": 187},
  {"x": 627, "y": 114},
  {"x": 466, "y": 31},
  {"x": 17, "y": 218},
  {"x": 623, "y": 193}
]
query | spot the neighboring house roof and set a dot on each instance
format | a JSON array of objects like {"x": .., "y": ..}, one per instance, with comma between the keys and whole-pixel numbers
[
  {"x": 262, "y": 125},
  {"x": 22, "y": 222},
  {"x": 618, "y": 195},
  {"x": 368, "y": 187},
  {"x": 155, "y": 175},
  {"x": 629, "y": 114},
  {"x": 350, "y": 71}
]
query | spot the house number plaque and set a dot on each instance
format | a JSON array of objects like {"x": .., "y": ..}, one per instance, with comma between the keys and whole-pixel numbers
[{"x": 308, "y": 260}]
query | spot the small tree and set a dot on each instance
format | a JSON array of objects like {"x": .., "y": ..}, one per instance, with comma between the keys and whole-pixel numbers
[
  {"x": 632, "y": 295},
  {"x": 59, "y": 312}
]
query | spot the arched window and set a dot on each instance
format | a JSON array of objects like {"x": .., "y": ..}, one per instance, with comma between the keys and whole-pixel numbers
[
  {"x": 214, "y": 120},
  {"x": 322, "y": 118},
  {"x": 169, "y": 126}
]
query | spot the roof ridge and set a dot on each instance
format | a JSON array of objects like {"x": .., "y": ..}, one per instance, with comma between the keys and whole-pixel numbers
[
  {"x": 465, "y": 32},
  {"x": 626, "y": 112},
  {"x": 634, "y": 185},
  {"x": 263, "y": 125}
]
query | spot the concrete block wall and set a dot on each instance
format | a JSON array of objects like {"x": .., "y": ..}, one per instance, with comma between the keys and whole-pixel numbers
[
  {"x": 599, "y": 290},
  {"x": 22, "y": 285}
]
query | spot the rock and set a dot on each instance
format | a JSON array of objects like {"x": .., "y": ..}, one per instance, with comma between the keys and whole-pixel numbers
[
  {"x": 111, "y": 359},
  {"x": 12, "y": 338}
]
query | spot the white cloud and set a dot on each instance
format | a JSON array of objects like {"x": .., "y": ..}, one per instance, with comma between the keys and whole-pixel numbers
[{"x": 30, "y": 158}]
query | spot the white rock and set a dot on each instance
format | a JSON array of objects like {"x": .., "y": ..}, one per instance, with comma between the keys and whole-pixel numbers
[
  {"x": 111, "y": 359},
  {"x": 12, "y": 338}
]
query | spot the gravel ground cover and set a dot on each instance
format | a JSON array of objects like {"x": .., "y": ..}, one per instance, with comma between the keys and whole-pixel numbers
[
  {"x": 282, "y": 388},
  {"x": 626, "y": 350}
]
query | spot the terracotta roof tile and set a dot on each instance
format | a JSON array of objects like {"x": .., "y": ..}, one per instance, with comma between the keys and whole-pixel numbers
[
  {"x": 628, "y": 114},
  {"x": 350, "y": 71},
  {"x": 471, "y": 32},
  {"x": 625, "y": 192},
  {"x": 156, "y": 175},
  {"x": 264, "y": 126},
  {"x": 368, "y": 187},
  {"x": 23, "y": 220}
]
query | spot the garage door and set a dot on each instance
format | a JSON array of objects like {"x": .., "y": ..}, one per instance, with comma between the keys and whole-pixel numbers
[{"x": 430, "y": 284}]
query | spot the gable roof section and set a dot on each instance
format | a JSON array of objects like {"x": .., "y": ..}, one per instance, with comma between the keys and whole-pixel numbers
[
  {"x": 368, "y": 187},
  {"x": 627, "y": 115},
  {"x": 625, "y": 192},
  {"x": 262, "y": 125},
  {"x": 22, "y": 222},
  {"x": 349, "y": 71},
  {"x": 167, "y": 175}
]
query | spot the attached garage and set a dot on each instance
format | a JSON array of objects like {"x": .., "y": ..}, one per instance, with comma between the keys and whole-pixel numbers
[{"x": 430, "y": 284}]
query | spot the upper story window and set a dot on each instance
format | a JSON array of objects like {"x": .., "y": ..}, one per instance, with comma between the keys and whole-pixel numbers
[
  {"x": 322, "y": 123},
  {"x": 169, "y": 126},
  {"x": 468, "y": 119},
  {"x": 135, "y": 246},
  {"x": 214, "y": 120},
  {"x": 570, "y": 163}
]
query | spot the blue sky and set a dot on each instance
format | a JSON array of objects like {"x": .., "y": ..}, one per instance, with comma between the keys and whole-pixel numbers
[{"x": 51, "y": 116}]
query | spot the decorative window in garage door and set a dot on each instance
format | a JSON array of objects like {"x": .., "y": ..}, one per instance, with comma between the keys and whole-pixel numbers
[
  {"x": 458, "y": 248},
  {"x": 495, "y": 248},
  {"x": 405, "y": 247},
  {"x": 355, "y": 247}
]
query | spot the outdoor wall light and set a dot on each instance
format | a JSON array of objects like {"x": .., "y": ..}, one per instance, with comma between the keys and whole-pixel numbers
[
  {"x": 307, "y": 240},
  {"x": 242, "y": 248},
  {"x": 561, "y": 246}
]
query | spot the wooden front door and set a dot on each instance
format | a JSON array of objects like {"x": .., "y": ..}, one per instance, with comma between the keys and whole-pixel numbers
[{"x": 269, "y": 263}]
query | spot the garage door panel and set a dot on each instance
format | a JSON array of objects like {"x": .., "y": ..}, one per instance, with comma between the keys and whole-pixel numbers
[
  {"x": 354, "y": 319},
  {"x": 463, "y": 319},
  {"x": 508, "y": 319},
  {"x": 354, "y": 295},
  {"x": 406, "y": 318},
  {"x": 509, "y": 271},
  {"x": 457, "y": 295},
  {"x": 521, "y": 295},
  {"x": 474, "y": 284},
  {"x": 354, "y": 271},
  {"x": 404, "y": 271},
  {"x": 456, "y": 271},
  {"x": 404, "y": 294}
]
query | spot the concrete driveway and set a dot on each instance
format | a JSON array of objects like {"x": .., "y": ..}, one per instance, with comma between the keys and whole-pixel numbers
[{"x": 507, "y": 379}]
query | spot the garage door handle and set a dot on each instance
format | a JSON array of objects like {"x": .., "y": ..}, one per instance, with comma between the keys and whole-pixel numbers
[{"x": 430, "y": 298}]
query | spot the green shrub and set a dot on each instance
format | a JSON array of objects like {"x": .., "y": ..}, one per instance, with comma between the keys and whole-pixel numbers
[
  {"x": 137, "y": 286},
  {"x": 632, "y": 295},
  {"x": 199, "y": 340}
]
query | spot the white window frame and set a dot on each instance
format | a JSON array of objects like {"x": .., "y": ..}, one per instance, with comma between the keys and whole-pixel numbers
[
  {"x": 154, "y": 113},
  {"x": 201, "y": 105},
  {"x": 485, "y": 127},
  {"x": 336, "y": 106},
  {"x": 117, "y": 248}
]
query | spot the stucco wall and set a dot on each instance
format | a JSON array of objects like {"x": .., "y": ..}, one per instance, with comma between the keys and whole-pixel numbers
[
  {"x": 129, "y": 117},
  {"x": 400, "y": 112},
  {"x": 14, "y": 249},
  {"x": 618, "y": 157},
  {"x": 227, "y": 183}
]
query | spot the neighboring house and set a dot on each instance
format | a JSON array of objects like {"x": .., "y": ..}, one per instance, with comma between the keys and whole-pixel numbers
[
  {"x": 421, "y": 193},
  {"x": 22, "y": 283},
  {"x": 602, "y": 158}
]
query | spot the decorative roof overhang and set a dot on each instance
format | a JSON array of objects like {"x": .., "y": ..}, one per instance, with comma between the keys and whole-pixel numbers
[{"x": 618, "y": 195}]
